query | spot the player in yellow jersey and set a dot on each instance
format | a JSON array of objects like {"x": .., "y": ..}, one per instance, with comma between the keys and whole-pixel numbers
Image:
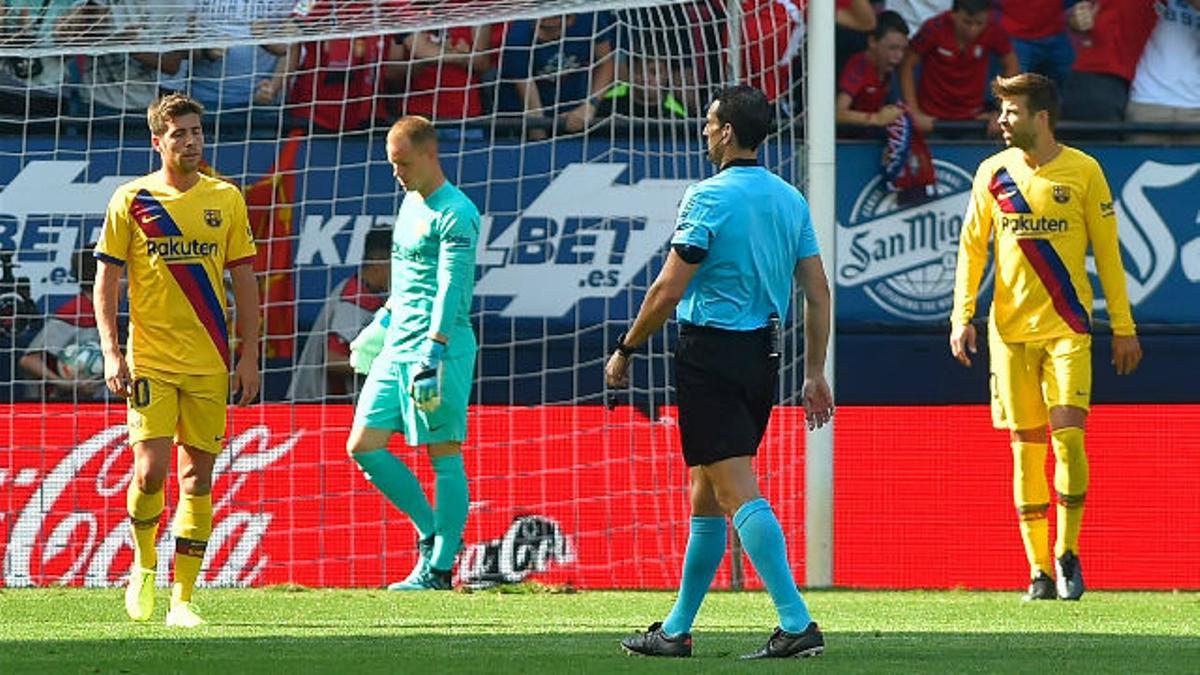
[
  {"x": 175, "y": 232},
  {"x": 1042, "y": 204}
]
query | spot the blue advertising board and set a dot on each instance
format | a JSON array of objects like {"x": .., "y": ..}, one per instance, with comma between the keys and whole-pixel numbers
[
  {"x": 574, "y": 231},
  {"x": 895, "y": 263}
]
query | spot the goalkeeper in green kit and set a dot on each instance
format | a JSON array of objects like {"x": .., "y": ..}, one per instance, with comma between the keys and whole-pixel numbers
[{"x": 419, "y": 354}]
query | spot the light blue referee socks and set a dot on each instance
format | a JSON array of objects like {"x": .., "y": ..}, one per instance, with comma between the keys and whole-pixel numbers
[
  {"x": 394, "y": 479},
  {"x": 450, "y": 509},
  {"x": 705, "y": 549},
  {"x": 762, "y": 537}
]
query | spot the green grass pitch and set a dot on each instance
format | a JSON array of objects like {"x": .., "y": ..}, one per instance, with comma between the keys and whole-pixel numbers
[{"x": 298, "y": 631}]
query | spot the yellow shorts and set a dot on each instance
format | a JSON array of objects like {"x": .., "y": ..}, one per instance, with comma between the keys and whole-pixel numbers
[
  {"x": 1029, "y": 378},
  {"x": 187, "y": 408}
]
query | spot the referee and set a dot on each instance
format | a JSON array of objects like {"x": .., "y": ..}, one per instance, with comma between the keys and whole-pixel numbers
[{"x": 740, "y": 238}]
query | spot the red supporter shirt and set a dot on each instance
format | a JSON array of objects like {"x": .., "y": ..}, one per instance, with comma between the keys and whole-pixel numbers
[
  {"x": 450, "y": 91},
  {"x": 952, "y": 80},
  {"x": 78, "y": 311},
  {"x": 1115, "y": 43},
  {"x": 860, "y": 79},
  {"x": 338, "y": 79},
  {"x": 772, "y": 38},
  {"x": 1032, "y": 19},
  {"x": 773, "y": 34}
]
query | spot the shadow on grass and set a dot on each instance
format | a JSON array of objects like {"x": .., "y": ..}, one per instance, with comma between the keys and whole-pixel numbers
[{"x": 416, "y": 649}]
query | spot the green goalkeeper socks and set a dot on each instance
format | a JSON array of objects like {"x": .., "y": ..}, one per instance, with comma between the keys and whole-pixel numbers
[
  {"x": 399, "y": 485},
  {"x": 450, "y": 509}
]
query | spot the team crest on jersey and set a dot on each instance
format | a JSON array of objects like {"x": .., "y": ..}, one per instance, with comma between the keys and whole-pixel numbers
[
  {"x": 1062, "y": 194},
  {"x": 212, "y": 217}
]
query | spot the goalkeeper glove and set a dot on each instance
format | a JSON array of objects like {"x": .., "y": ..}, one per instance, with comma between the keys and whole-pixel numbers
[
  {"x": 426, "y": 388},
  {"x": 369, "y": 342}
]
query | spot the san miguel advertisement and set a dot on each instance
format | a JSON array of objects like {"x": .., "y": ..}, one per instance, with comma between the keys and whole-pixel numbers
[
  {"x": 896, "y": 262},
  {"x": 590, "y": 498}
]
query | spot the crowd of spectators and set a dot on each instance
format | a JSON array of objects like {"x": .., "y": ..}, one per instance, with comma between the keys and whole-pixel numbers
[
  {"x": 1114, "y": 60},
  {"x": 562, "y": 74}
]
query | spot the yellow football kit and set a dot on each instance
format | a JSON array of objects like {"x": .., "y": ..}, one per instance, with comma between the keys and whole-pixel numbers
[
  {"x": 176, "y": 247},
  {"x": 1040, "y": 222}
]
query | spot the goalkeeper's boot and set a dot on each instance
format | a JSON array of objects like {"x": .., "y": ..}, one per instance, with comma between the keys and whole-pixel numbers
[
  {"x": 183, "y": 615},
  {"x": 429, "y": 579},
  {"x": 1040, "y": 588},
  {"x": 424, "y": 555},
  {"x": 654, "y": 642},
  {"x": 1070, "y": 576},
  {"x": 785, "y": 645},
  {"x": 139, "y": 594}
]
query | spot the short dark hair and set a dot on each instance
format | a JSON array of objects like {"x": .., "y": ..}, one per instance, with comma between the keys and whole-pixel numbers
[
  {"x": 83, "y": 268},
  {"x": 1039, "y": 92},
  {"x": 971, "y": 6},
  {"x": 889, "y": 21},
  {"x": 163, "y": 109},
  {"x": 378, "y": 244},
  {"x": 748, "y": 111}
]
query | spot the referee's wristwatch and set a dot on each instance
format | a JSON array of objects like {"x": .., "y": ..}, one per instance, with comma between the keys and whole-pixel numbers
[{"x": 622, "y": 348}]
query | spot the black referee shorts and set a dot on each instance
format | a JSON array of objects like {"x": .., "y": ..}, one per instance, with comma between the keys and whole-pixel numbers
[{"x": 725, "y": 384}]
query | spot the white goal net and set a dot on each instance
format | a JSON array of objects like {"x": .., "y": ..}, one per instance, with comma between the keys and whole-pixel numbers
[{"x": 574, "y": 126}]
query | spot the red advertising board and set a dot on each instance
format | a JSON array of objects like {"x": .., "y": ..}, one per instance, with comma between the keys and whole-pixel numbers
[{"x": 597, "y": 499}]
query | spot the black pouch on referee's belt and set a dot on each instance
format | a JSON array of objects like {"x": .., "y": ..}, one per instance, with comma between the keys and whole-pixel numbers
[{"x": 774, "y": 336}]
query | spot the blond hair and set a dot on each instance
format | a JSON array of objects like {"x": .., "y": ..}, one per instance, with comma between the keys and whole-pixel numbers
[
  {"x": 416, "y": 129},
  {"x": 166, "y": 108}
]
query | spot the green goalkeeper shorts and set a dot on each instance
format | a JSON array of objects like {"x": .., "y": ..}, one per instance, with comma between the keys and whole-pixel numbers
[{"x": 385, "y": 403}]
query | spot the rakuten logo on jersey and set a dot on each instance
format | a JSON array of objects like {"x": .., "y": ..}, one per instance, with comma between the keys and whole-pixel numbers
[
  {"x": 178, "y": 248},
  {"x": 1022, "y": 225},
  {"x": 73, "y": 526}
]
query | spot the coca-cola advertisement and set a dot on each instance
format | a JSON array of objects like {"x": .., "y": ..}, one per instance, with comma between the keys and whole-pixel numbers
[
  {"x": 560, "y": 495},
  {"x": 592, "y": 498}
]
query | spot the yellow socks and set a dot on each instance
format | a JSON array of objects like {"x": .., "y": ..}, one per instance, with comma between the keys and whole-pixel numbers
[
  {"x": 193, "y": 525},
  {"x": 1071, "y": 483},
  {"x": 144, "y": 513},
  {"x": 1031, "y": 495}
]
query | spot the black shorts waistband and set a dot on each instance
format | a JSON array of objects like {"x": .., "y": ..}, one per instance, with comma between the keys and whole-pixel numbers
[{"x": 695, "y": 329}]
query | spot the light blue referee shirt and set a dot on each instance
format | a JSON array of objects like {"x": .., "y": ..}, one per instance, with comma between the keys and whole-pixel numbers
[{"x": 755, "y": 227}]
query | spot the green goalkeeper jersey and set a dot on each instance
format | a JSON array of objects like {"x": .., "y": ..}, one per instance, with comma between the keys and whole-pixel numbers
[{"x": 433, "y": 273}]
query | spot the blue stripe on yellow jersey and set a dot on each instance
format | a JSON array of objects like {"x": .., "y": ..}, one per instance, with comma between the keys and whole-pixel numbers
[
  {"x": 1041, "y": 222},
  {"x": 175, "y": 247}
]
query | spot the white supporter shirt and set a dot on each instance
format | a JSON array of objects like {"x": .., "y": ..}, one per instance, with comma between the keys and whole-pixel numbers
[
  {"x": 69, "y": 324},
  {"x": 119, "y": 80},
  {"x": 1168, "y": 73},
  {"x": 917, "y": 12},
  {"x": 349, "y": 308}
]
